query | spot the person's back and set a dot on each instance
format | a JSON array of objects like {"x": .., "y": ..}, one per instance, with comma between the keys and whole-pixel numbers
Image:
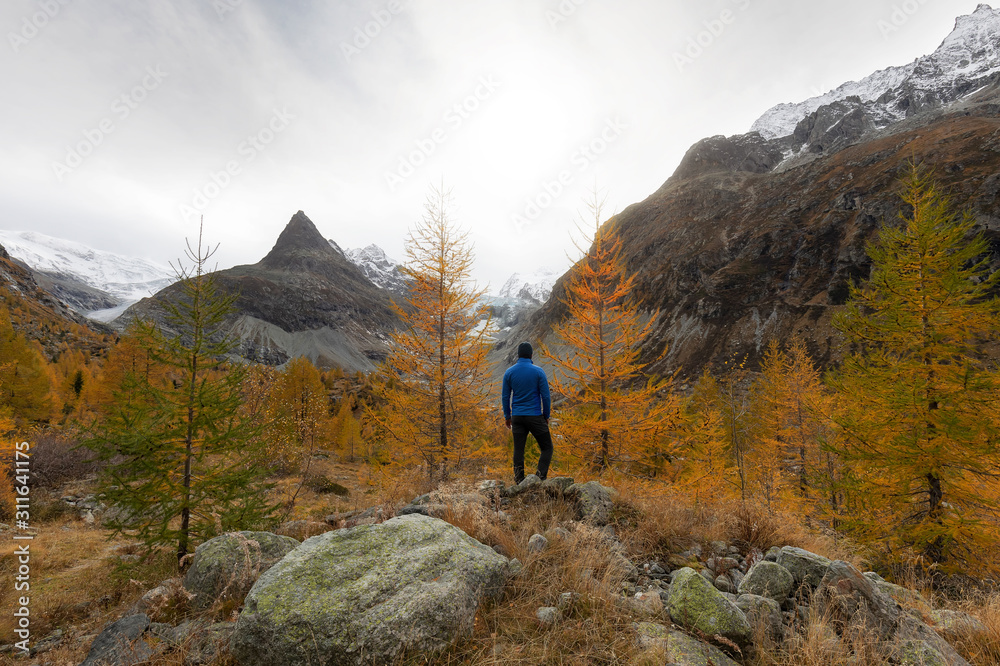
[{"x": 526, "y": 407}]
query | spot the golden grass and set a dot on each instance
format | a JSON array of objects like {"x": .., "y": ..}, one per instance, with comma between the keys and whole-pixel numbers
[{"x": 79, "y": 585}]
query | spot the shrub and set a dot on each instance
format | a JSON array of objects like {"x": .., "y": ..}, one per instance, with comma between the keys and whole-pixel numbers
[{"x": 326, "y": 486}]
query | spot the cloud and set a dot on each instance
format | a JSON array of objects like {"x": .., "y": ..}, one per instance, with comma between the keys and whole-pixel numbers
[{"x": 366, "y": 84}]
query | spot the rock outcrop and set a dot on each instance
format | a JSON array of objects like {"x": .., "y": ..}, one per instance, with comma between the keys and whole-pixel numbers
[
  {"x": 367, "y": 594},
  {"x": 227, "y": 566}
]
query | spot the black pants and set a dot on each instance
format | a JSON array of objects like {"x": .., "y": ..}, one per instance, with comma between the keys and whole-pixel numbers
[{"x": 520, "y": 426}]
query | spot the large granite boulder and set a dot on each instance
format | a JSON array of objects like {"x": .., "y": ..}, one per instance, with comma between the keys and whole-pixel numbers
[
  {"x": 367, "y": 594},
  {"x": 852, "y": 600},
  {"x": 227, "y": 566},
  {"x": 806, "y": 568},
  {"x": 696, "y": 604},
  {"x": 768, "y": 579}
]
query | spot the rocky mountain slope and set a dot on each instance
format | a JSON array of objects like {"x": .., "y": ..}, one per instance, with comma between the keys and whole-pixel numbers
[
  {"x": 383, "y": 271},
  {"x": 40, "y": 316},
  {"x": 86, "y": 279},
  {"x": 303, "y": 299},
  {"x": 744, "y": 243}
]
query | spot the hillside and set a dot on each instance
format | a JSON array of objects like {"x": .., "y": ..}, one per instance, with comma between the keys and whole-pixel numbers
[
  {"x": 744, "y": 244},
  {"x": 42, "y": 317}
]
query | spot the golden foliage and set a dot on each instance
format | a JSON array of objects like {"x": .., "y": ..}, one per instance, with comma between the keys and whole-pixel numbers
[
  {"x": 613, "y": 411},
  {"x": 436, "y": 383}
]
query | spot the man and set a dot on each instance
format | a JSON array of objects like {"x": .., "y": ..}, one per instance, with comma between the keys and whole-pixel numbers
[{"x": 526, "y": 407}]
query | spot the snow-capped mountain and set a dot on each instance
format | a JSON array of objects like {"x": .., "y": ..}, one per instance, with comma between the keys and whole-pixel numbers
[
  {"x": 377, "y": 266},
  {"x": 530, "y": 287},
  {"x": 87, "y": 279},
  {"x": 967, "y": 60}
]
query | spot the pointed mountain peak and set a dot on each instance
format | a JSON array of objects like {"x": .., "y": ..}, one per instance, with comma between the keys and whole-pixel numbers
[
  {"x": 299, "y": 233},
  {"x": 300, "y": 246}
]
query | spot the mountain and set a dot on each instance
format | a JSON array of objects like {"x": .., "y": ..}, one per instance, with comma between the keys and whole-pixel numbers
[
  {"x": 533, "y": 288},
  {"x": 383, "y": 271},
  {"x": 42, "y": 317},
  {"x": 303, "y": 299},
  {"x": 744, "y": 244},
  {"x": 86, "y": 279},
  {"x": 967, "y": 61}
]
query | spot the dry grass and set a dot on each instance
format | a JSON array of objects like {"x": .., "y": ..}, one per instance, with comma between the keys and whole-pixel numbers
[
  {"x": 78, "y": 581},
  {"x": 981, "y": 648},
  {"x": 79, "y": 585},
  {"x": 815, "y": 643},
  {"x": 595, "y": 628}
]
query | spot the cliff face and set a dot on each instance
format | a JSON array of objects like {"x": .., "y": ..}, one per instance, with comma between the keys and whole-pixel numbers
[{"x": 729, "y": 257}]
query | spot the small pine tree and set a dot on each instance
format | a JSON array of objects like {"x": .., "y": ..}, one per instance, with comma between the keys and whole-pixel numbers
[
  {"x": 178, "y": 467},
  {"x": 614, "y": 412},
  {"x": 919, "y": 423}
]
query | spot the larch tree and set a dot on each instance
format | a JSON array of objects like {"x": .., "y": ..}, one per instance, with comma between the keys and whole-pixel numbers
[
  {"x": 919, "y": 421},
  {"x": 707, "y": 469},
  {"x": 177, "y": 462},
  {"x": 25, "y": 383},
  {"x": 436, "y": 380},
  {"x": 789, "y": 412},
  {"x": 613, "y": 412}
]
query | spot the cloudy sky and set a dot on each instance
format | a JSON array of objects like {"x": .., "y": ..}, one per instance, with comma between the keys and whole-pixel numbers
[{"x": 123, "y": 121}]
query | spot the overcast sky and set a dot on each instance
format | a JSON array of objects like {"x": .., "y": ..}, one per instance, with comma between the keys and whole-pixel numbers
[{"x": 124, "y": 120}]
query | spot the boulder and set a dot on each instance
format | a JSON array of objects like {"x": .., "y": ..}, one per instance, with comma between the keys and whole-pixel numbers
[
  {"x": 594, "y": 502},
  {"x": 696, "y": 604},
  {"x": 680, "y": 648},
  {"x": 529, "y": 482},
  {"x": 556, "y": 486},
  {"x": 852, "y": 600},
  {"x": 366, "y": 594},
  {"x": 954, "y": 625},
  {"x": 120, "y": 643},
  {"x": 227, "y": 566},
  {"x": 762, "y": 611},
  {"x": 768, "y": 579},
  {"x": 918, "y": 653},
  {"x": 806, "y": 568},
  {"x": 537, "y": 543},
  {"x": 912, "y": 631}
]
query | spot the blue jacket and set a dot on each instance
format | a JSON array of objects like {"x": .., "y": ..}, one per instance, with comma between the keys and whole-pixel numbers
[{"x": 530, "y": 389}]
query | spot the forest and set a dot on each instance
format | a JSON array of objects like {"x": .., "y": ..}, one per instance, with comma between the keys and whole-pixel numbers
[{"x": 891, "y": 458}]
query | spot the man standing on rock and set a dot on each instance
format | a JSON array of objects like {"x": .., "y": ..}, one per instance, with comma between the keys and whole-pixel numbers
[{"x": 526, "y": 408}]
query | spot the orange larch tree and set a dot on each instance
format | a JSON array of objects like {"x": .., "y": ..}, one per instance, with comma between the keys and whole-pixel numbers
[
  {"x": 436, "y": 381},
  {"x": 612, "y": 411}
]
